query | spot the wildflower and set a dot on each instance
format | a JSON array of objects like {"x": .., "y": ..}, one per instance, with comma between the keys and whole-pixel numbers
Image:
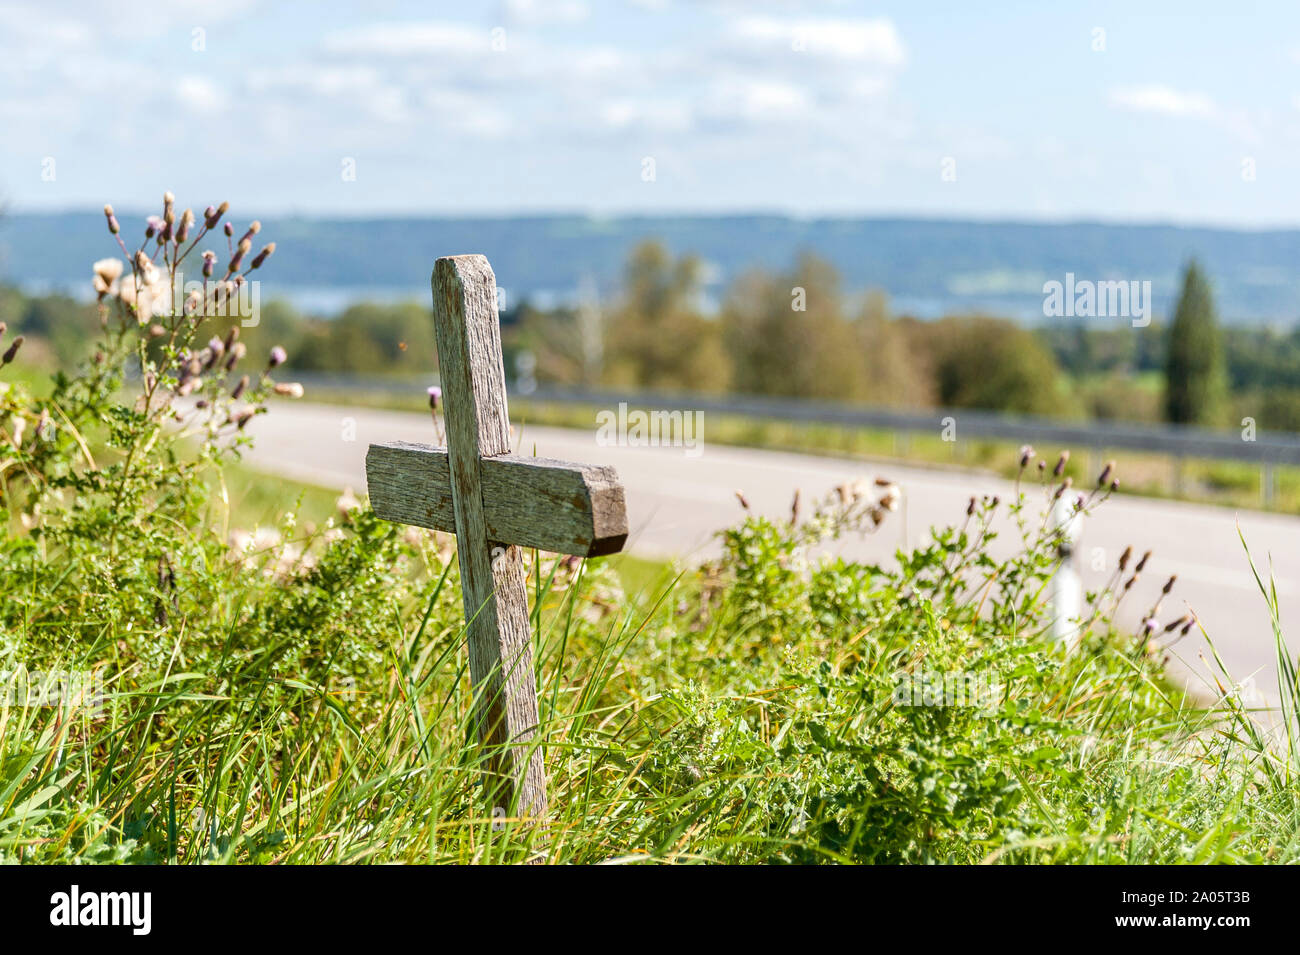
[
  {"x": 208, "y": 356},
  {"x": 1180, "y": 622},
  {"x": 113, "y": 227},
  {"x": 254, "y": 227},
  {"x": 241, "y": 250},
  {"x": 889, "y": 500},
  {"x": 1060, "y": 464},
  {"x": 209, "y": 263},
  {"x": 263, "y": 256},
  {"x": 1026, "y": 454},
  {"x": 235, "y": 352},
  {"x": 212, "y": 216},
  {"x": 231, "y": 336},
  {"x": 243, "y": 418},
  {"x": 1124, "y": 558},
  {"x": 970, "y": 508},
  {"x": 1149, "y": 626},
  {"x": 107, "y": 272},
  {"x": 347, "y": 501},
  {"x": 157, "y": 331},
  {"x": 230, "y": 230},
  {"x": 187, "y": 220},
  {"x": 794, "y": 509},
  {"x": 744, "y": 502},
  {"x": 1169, "y": 584},
  {"x": 290, "y": 389},
  {"x": 1105, "y": 474},
  {"x": 435, "y": 395},
  {"x": 237, "y": 392},
  {"x": 216, "y": 346},
  {"x": 1142, "y": 563},
  {"x": 278, "y": 357},
  {"x": 11, "y": 351},
  {"x": 1114, "y": 485}
]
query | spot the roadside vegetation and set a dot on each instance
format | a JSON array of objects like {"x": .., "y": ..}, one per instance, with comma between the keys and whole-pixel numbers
[{"x": 243, "y": 684}]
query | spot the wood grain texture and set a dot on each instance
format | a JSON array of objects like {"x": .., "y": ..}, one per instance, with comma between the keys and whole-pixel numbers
[
  {"x": 492, "y": 577},
  {"x": 533, "y": 502}
]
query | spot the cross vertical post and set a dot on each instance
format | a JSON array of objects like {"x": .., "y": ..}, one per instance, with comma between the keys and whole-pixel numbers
[
  {"x": 492, "y": 573},
  {"x": 496, "y": 503}
]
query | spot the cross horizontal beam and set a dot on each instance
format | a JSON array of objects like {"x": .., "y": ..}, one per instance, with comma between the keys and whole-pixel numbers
[{"x": 531, "y": 502}]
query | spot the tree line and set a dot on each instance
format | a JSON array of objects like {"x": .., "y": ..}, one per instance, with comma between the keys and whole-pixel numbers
[{"x": 799, "y": 333}]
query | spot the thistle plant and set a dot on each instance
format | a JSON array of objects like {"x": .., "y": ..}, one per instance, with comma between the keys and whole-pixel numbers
[{"x": 162, "y": 397}]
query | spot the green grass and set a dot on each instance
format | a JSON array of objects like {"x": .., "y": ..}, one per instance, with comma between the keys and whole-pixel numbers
[
  {"x": 683, "y": 723},
  {"x": 307, "y": 699}
]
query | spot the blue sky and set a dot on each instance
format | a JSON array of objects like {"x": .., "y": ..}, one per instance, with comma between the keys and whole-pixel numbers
[{"x": 1183, "y": 112}]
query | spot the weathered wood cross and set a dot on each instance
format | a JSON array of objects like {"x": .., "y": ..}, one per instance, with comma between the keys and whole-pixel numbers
[{"x": 496, "y": 503}]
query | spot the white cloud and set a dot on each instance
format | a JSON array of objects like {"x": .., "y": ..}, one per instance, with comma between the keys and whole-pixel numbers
[
  {"x": 410, "y": 39},
  {"x": 463, "y": 112},
  {"x": 873, "y": 41},
  {"x": 358, "y": 85},
  {"x": 758, "y": 99},
  {"x": 200, "y": 94},
  {"x": 1156, "y": 98},
  {"x": 541, "y": 12},
  {"x": 323, "y": 80},
  {"x": 659, "y": 114}
]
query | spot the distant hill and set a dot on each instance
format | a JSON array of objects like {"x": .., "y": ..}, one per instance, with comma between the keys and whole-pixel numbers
[{"x": 928, "y": 267}]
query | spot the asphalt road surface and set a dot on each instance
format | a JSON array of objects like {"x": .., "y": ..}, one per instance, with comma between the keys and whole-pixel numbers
[{"x": 678, "y": 500}]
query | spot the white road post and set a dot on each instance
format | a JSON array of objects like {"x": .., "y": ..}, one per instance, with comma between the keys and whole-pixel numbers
[{"x": 1067, "y": 585}]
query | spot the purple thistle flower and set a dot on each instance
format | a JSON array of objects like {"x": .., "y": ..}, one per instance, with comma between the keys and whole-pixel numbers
[
  {"x": 278, "y": 356},
  {"x": 435, "y": 395}
]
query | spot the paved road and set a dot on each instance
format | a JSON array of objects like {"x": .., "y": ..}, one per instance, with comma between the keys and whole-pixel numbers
[{"x": 677, "y": 501}]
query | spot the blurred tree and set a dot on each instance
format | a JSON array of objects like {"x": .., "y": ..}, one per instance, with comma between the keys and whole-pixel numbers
[
  {"x": 991, "y": 363},
  {"x": 1195, "y": 382},
  {"x": 656, "y": 336},
  {"x": 893, "y": 375},
  {"x": 787, "y": 334},
  {"x": 554, "y": 338},
  {"x": 370, "y": 339}
]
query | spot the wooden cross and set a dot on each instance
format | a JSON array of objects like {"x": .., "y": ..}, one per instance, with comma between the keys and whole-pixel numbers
[{"x": 496, "y": 503}]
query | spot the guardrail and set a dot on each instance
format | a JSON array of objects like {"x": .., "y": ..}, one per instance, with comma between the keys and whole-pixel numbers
[{"x": 1267, "y": 450}]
